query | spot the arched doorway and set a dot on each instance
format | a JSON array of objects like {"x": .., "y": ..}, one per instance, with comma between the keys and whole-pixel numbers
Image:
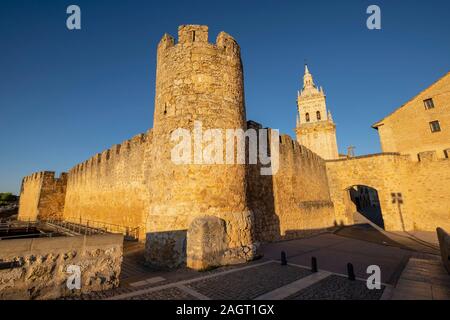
[{"x": 367, "y": 203}]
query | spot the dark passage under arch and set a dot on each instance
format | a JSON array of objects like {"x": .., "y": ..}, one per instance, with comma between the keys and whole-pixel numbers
[{"x": 367, "y": 203}]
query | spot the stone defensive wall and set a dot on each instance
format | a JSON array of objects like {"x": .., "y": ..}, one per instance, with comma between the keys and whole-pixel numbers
[
  {"x": 137, "y": 185},
  {"x": 42, "y": 196},
  {"x": 39, "y": 269},
  {"x": 213, "y": 214},
  {"x": 413, "y": 195},
  {"x": 293, "y": 202},
  {"x": 110, "y": 188}
]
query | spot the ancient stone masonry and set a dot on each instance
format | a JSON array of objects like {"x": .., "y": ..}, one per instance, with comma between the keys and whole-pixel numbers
[
  {"x": 205, "y": 215},
  {"x": 413, "y": 195},
  {"x": 41, "y": 265},
  {"x": 111, "y": 187},
  {"x": 136, "y": 184},
  {"x": 295, "y": 201},
  {"x": 197, "y": 81},
  {"x": 42, "y": 196},
  {"x": 408, "y": 129}
]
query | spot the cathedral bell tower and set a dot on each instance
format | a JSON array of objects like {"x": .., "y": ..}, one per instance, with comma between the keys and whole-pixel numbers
[{"x": 315, "y": 127}]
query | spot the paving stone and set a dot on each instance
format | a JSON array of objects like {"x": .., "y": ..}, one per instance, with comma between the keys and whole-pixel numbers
[
  {"x": 337, "y": 288},
  {"x": 173, "y": 293},
  {"x": 249, "y": 283}
]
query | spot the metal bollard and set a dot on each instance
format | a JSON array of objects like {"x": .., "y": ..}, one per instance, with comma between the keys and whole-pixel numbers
[
  {"x": 314, "y": 265},
  {"x": 283, "y": 258},
  {"x": 350, "y": 272}
]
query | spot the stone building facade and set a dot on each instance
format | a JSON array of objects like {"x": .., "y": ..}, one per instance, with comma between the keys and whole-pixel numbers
[
  {"x": 203, "y": 214},
  {"x": 421, "y": 124},
  {"x": 315, "y": 127}
]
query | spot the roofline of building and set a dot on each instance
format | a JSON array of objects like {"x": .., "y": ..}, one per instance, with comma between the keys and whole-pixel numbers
[{"x": 380, "y": 123}]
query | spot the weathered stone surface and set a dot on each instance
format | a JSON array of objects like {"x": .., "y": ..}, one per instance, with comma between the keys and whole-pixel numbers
[
  {"x": 111, "y": 188},
  {"x": 206, "y": 242},
  {"x": 42, "y": 196},
  {"x": 136, "y": 184},
  {"x": 422, "y": 187},
  {"x": 197, "y": 81},
  {"x": 166, "y": 249},
  {"x": 42, "y": 266},
  {"x": 296, "y": 200}
]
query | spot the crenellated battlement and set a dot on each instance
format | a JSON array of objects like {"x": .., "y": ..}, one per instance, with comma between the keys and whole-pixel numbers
[
  {"x": 189, "y": 35},
  {"x": 290, "y": 147},
  {"x": 422, "y": 157},
  {"x": 34, "y": 176},
  {"x": 166, "y": 41},
  {"x": 109, "y": 187},
  {"x": 42, "y": 195},
  {"x": 38, "y": 176},
  {"x": 137, "y": 185},
  {"x": 111, "y": 154}
]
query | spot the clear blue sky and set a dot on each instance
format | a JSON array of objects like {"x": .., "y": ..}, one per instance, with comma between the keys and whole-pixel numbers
[{"x": 67, "y": 95}]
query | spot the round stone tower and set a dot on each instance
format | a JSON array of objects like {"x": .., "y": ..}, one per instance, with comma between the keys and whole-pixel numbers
[{"x": 197, "y": 84}]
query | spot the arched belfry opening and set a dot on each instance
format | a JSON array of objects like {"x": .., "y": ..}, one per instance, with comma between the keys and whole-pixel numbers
[{"x": 367, "y": 203}]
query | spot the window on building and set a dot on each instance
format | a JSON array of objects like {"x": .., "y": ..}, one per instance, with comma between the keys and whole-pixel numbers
[
  {"x": 307, "y": 117},
  {"x": 435, "y": 126},
  {"x": 447, "y": 153},
  {"x": 318, "y": 115},
  {"x": 428, "y": 103}
]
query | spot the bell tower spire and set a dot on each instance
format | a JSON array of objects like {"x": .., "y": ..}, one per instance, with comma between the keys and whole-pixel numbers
[
  {"x": 315, "y": 127},
  {"x": 308, "y": 81}
]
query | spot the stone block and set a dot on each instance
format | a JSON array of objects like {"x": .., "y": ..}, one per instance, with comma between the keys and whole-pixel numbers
[
  {"x": 166, "y": 249},
  {"x": 206, "y": 242},
  {"x": 41, "y": 271}
]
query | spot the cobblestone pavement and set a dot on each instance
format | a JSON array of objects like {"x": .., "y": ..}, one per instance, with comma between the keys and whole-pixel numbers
[
  {"x": 173, "y": 293},
  {"x": 336, "y": 287},
  {"x": 267, "y": 278},
  {"x": 250, "y": 283}
]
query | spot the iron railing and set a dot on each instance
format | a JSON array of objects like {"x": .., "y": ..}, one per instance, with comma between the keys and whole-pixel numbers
[
  {"x": 8, "y": 225},
  {"x": 14, "y": 229},
  {"x": 88, "y": 227}
]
